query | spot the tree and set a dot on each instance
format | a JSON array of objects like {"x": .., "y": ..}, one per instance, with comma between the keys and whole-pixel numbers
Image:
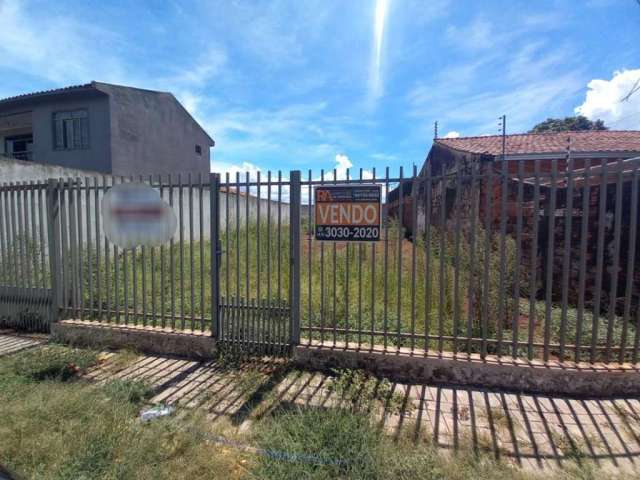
[{"x": 566, "y": 124}]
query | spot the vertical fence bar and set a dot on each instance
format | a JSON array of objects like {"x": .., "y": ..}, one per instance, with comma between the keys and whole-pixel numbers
[
  {"x": 260, "y": 312},
  {"x": 322, "y": 293},
  {"x": 53, "y": 234},
  {"x": 80, "y": 247},
  {"x": 310, "y": 314},
  {"x": 143, "y": 268},
  {"x": 181, "y": 244},
  {"x": 21, "y": 241},
  {"x": 602, "y": 210},
  {"x": 427, "y": 256},
  {"x": 373, "y": 276},
  {"x": 214, "y": 234},
  {"x": 42, "y": 206},
  {"x": 534, "y": 259},
  {"x": 125, "y": 277},
  {"x": 385, "y": 292},
  {"x": 487, "y": 258},
  {"x": 96, "y": 214},
  {"x": 279, "y": 324},
  {"x": 237, "y": 315},
  {"x": 270, "y": 315},
  {"x": 224, "y": 323},
  {"x": 566, "y": 257},
  {"x": 414, "y": 240},
  {"x": 631, "y": 260},
  {"x": 152, "y": 260},
  {"x": 515, "y": 334},
  {"x": 4, "y": 272},
  {"x": 399, "y": 258},
  {"x": 38, "y": 232},
  {"x": 502, "y": 299},
  {"x": 582, "y": 275},
  {"x": 551, "y": 211},
  {"x": 163, "y": 310},
  {"x": 14, "y": 249},
  {"x": 201, "y": 247},
  {"x": 172, "y": 268},
  {"x": 250, "y": 329},
  {"x": 134, "y": 280},
  {"x": 28, "y": 299},
  {"x": 192, "y": 285},
  {"x": 294, "y": 255},
  {"x": 37, "y": 249},
  {"x": 613, "y": 290},
  {"x": 347, "y": 306},
  {"x": 334, "y": 293},
  {"x": 456, "y": 259},
  {"x": 116, "y": 275},
  {"x": 107, "y": 267},
  {"x": 472, "y": 256},
  {"x": 66, "y": 257},
  {"x": 90, "y": 273},
  {"x": 10, "y": 242},
  {"x": 442, "y": 259},
  {"x": 5, "y": 193}
]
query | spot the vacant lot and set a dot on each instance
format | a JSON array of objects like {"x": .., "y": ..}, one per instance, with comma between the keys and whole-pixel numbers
[{"x": 352, "y": 292}]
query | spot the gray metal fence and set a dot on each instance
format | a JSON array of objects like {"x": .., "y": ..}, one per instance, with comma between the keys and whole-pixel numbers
[{"x": 530, "y": 259}]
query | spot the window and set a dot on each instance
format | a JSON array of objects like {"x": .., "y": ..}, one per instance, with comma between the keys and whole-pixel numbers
[
  {"x": 71, "y": 130},
  {"x": 198, "y": 149}
]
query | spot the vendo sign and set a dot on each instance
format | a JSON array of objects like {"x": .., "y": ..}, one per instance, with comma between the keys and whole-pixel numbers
[{"x": 348, "y": 212}]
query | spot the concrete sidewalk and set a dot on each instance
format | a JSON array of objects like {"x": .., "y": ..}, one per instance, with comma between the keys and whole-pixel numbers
[{"x": 534, "y": 431}]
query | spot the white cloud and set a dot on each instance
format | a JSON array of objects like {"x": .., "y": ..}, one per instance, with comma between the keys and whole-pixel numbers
[
  {"x": 605, "y": 100},
  {"x": 478, "y": 35},
  {"x": 452, "y": 134}
]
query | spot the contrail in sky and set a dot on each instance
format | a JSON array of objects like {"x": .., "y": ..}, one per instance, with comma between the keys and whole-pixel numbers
[{"x": 376, "y": 74}]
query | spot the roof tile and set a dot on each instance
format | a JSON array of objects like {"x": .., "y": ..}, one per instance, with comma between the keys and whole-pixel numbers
[{"x": 525, "y": 143}]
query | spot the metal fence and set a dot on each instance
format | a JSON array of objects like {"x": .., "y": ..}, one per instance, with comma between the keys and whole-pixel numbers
[{"x": 525, "y": 259}]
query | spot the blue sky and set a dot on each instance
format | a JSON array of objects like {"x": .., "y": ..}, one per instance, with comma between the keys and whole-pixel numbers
[{"x": 314, "y": 84}]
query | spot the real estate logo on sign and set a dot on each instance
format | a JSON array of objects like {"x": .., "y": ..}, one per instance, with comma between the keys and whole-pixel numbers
[{"x": 348, "y": 213}]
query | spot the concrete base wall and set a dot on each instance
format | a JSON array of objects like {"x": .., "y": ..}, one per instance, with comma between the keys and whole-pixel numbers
[
  {"x": 195, "y": 345},
  {"x": 491, "y": 373}
]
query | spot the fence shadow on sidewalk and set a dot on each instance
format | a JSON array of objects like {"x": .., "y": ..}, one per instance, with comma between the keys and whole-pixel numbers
[{"x": 531, "y": 430}]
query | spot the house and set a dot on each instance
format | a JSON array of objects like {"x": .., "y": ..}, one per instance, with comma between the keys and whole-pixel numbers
[
  {"x": 527, "y": 184},
  {"x": 105, "y": 128}
]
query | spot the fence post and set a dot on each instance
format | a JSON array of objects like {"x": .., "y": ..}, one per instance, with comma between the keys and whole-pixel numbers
[
  {"x": 294, "y": 255},
  {"x": 214, "y": 220},
  {"x": 53, "y": 234}
]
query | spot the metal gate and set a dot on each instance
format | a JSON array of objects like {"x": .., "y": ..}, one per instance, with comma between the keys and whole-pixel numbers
[
  {"x": 25, "y": 282},
  {"x": 256, "y": 267}
]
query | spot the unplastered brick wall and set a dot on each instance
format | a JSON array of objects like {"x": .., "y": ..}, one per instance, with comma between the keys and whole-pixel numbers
[{"x": 539, "y": 226}]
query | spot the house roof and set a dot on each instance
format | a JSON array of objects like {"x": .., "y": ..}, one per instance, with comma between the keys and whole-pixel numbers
[
  {"x": 99, "y": 88},
  {"x": 43, "y": 93},
  {"x": 546, "y": 143}
]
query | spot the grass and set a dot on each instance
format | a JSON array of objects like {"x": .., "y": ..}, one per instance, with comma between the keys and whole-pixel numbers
[
  {"x": 55, "y": 425},
  {"x": 352, "y": 287}
]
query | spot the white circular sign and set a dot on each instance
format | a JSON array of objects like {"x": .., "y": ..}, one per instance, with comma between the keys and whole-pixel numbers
[{"x": 133, "y": 214}]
